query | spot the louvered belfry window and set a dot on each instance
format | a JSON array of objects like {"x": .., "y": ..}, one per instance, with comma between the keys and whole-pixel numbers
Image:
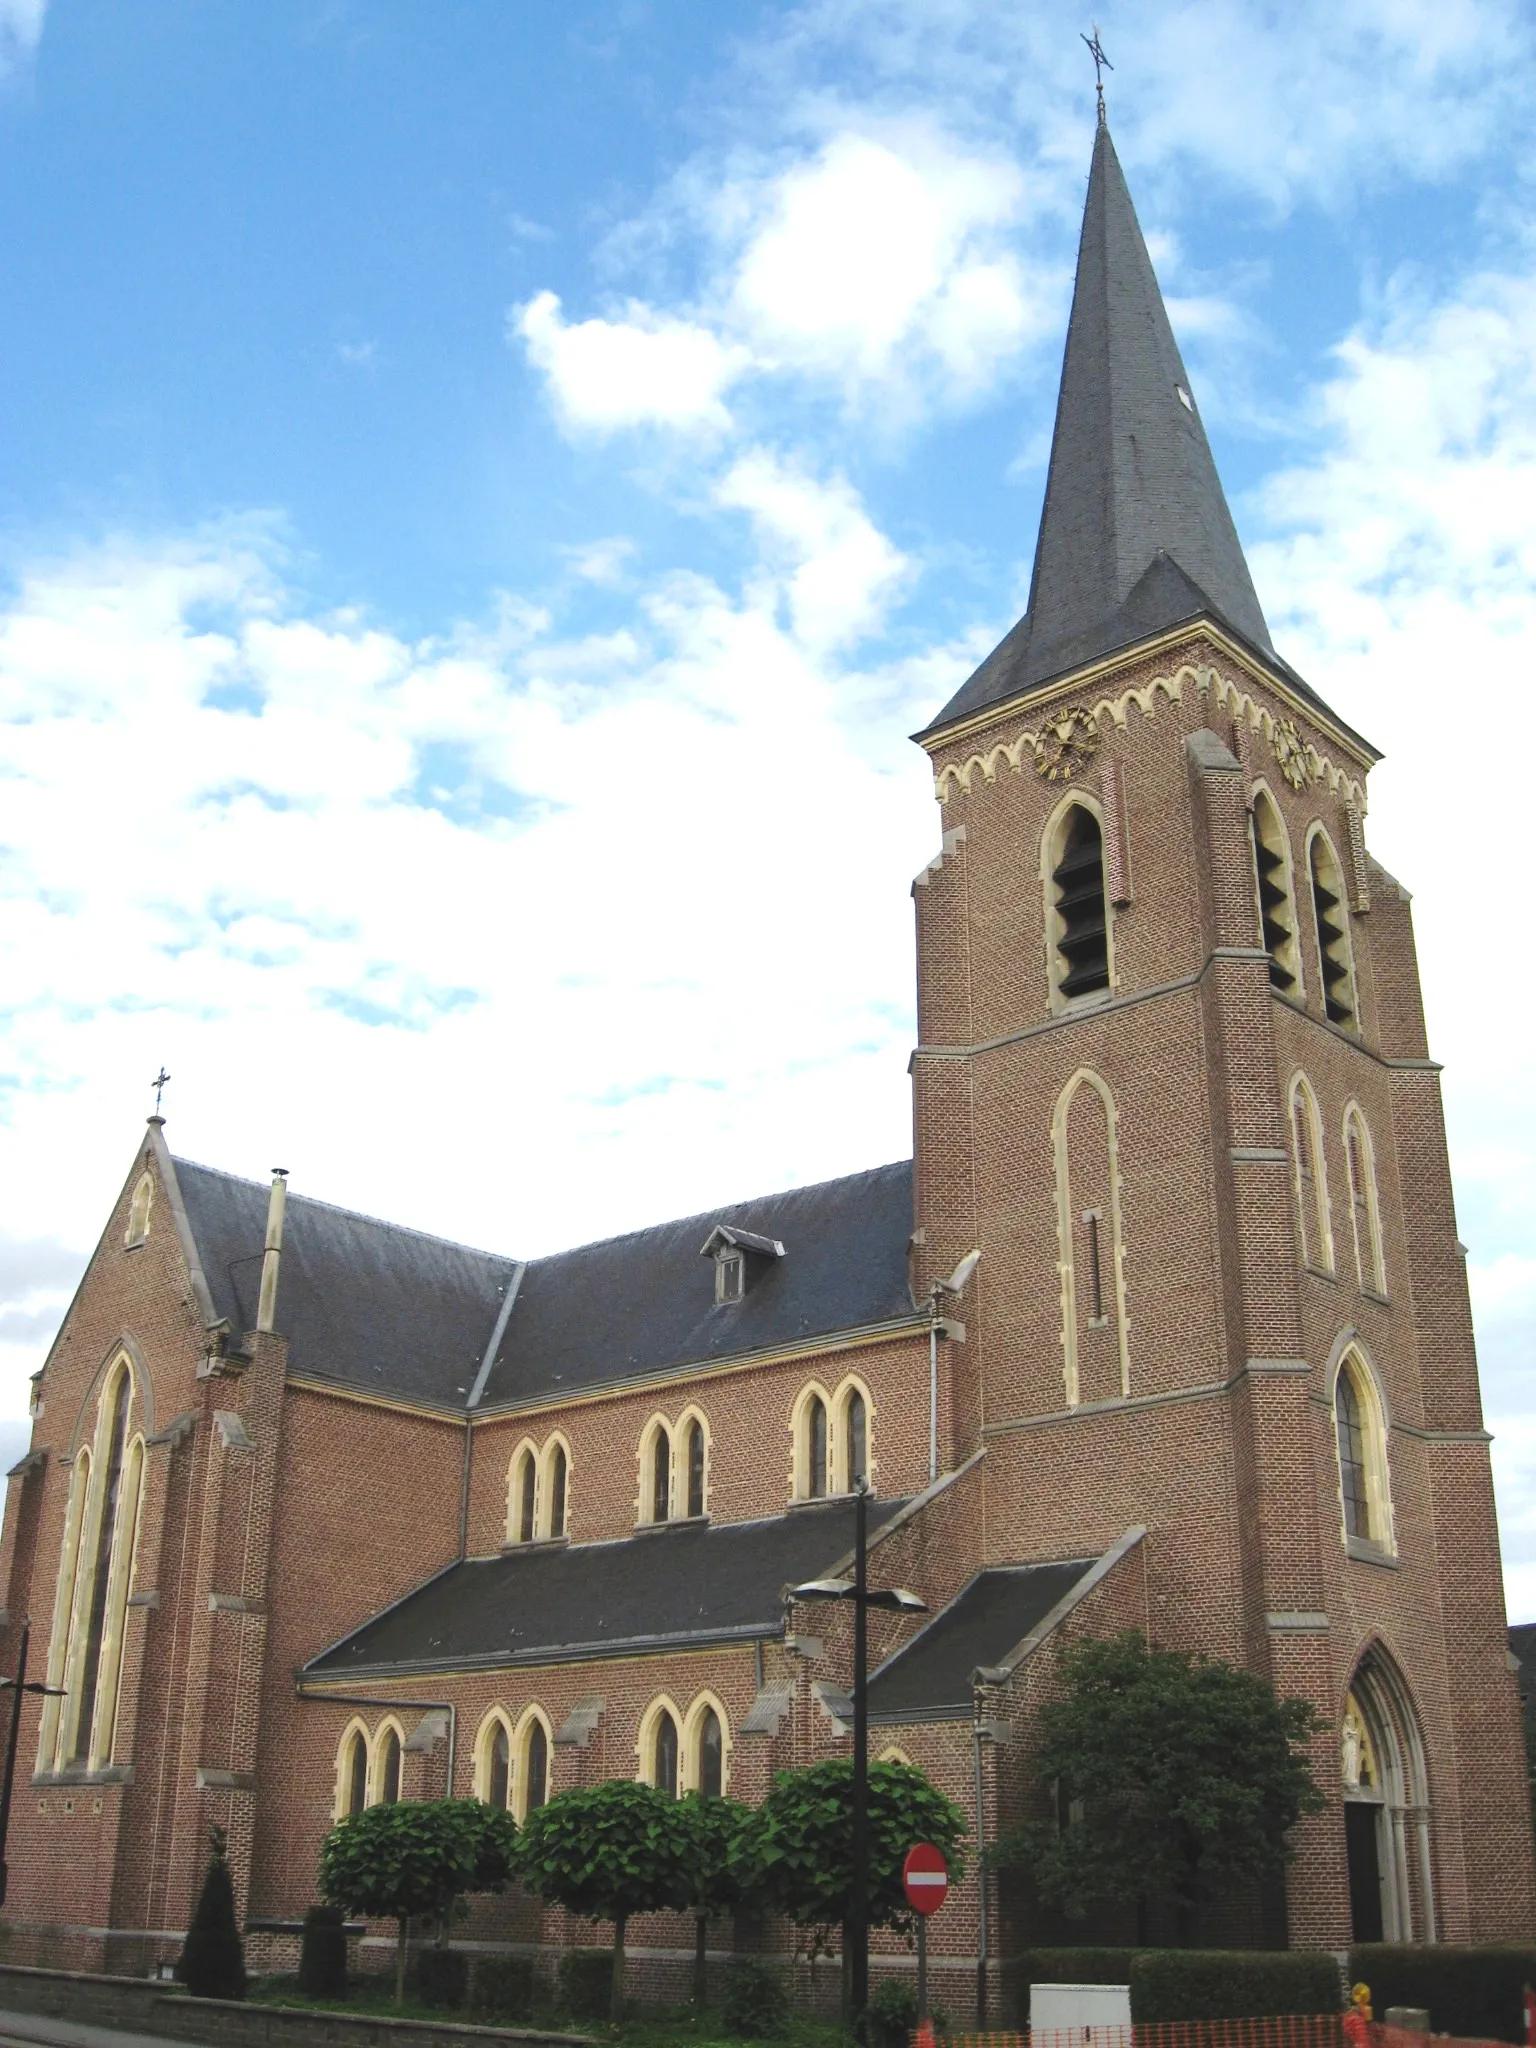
[
  {"x": 1276, "y": 912},
  {"x": 1332, "y": 933},
  {"x": 1082, "y": 938}
]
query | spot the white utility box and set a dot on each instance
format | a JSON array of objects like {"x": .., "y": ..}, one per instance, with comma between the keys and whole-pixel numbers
[{"x": 1093, "y": 2014}]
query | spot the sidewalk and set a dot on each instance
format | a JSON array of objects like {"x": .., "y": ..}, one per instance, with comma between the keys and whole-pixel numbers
[{"x": 35, "y": 2027}]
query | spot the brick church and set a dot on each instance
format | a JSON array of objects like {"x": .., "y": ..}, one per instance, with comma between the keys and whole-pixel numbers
[{"x": 321, "y": 1511}]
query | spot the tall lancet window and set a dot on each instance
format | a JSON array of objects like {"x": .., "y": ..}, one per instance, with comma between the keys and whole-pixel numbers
[
  {"x": 1079, "y": 914},
  {"x": 91, "y": 1598},
  {"x": 1331, "y": 911},
  {"x": 1277, "y": 908},
  {"x": 1090, "y": 1253}
]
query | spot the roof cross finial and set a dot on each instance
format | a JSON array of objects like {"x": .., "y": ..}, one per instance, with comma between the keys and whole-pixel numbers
[
  {"x": 158, "y": 1084},
  {"x": 1101, "y": 64}
]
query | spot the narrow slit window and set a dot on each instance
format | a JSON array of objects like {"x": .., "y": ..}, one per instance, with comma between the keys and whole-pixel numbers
[
  {"x": 557, "y": 1479},
  {"x": 1313, "y": 1223},
  {"x": 661, "y": 1477},
  {"x": 1332, "y": 915},
  {"x": 528, "y": 1499},
  {"x": 1082, "y": 934},
  {"x": 1365, "y": 1210},
  {"x": 695, "y": 1468},
  {"x": 1277, "y": 914},
  {"x": 1095, "y": 1275}
]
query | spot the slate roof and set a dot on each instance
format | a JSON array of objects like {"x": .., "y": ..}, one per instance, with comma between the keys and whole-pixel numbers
[
  {"x": 1135, "y": 533},
  {"x": 376, "y": 1307},
  {"x": 646, "y": 1302},
  {"x": 1522, "y": 1642},
  {"x": 364, "y": 1303},
  {"x": 929, "y": 1678},
  {"x": 677, "y": 1585}
]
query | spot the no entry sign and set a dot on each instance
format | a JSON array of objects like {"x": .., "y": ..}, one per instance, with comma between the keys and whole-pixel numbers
[{"x": 925, "y": 1878}]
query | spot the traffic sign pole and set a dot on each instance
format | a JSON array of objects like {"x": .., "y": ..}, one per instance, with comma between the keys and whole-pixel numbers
[
  {"x": 922, "y": 1966},
  {"x": 925, "y": 1880}
]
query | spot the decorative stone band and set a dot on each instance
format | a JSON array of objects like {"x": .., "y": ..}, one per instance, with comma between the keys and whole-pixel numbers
[
  {"x": 1296, "y": 1621},
  {"x": 1298, "y": 756},
  {"x": 210, "y": 1780}
]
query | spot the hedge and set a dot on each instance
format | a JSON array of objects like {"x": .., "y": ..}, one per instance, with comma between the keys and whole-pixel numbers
[
  {"x": 323, "y": 1953},
  {"x": 1231, "y": 1984},
  {"x": 584, "y": 1982},
  {"x": 506, "y": 1986},
  {"x": 442, "y": 1977},
  {"x": 1475, "y": 1992}
]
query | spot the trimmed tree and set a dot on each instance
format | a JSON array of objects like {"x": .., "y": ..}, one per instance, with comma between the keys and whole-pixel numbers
[
  {"x": 796, "y": 1852},
  {"x": 416, "y": 1856},
  {"x": 606, "y": 1851},
  {"x": 1175, "y": 1777},
  {"x": 212, "y": 1959},
  {"x": 715, "y": 1883}
]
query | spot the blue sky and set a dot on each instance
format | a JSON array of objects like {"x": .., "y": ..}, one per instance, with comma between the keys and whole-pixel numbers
[{"x": 486, "y": 490}]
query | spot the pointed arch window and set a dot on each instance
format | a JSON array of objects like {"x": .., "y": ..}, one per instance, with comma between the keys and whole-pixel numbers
[
  {"x": 1095, "y": 1331},
  {"x": 535, "y": 1767},
  {"x": 523, "y": 1496},
  {"x": 1079, "y": 912},
  {"x": 352, "y": 1775},
  {"x": 96, "y": 1566},
  {"x": 1331, "y": 914},
  {"x": 494, "y": 1761},
  {"x": 856, "y": 1438},
  {"x": 816, "y": 1447},
  {"x": 387, "y": 1780},
  {"x": 661, "y": 1476},
  {"x": 1309, "y": 1171},
  {"x": 664, "y": 1754},
  {"x": 711, "y": 1755},
  {"x": 559, "y": 1470},
  {"x": 1360, "y": 1434},
  {"x": 1364, "y": 1203},
  {"x": 1277, "y": 907},
  {"x": 138, "y": 1211},
  {"x": 693, "y": 1458}
]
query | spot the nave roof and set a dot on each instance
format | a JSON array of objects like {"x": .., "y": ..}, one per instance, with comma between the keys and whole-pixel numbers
[{"x": 378, "y": 1308}]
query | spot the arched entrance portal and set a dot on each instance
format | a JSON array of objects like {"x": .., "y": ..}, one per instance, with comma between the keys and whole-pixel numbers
[{"x": 1386, "y": 1808}]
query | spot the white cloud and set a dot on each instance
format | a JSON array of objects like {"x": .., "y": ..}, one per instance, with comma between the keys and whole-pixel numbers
[
  {"x": 21, "y": 30},
  {"x": 839, "y": 572},
  {"x": 604, "y": 562},
  {"x": 878, "y": 253},
  {"x": 516, "y": 935},
  {"x": 647, "y": 369}
]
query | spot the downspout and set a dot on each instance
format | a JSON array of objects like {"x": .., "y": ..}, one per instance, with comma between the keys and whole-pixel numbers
[
  {"x": 277, "y": 1202},
  {"x": 503, "y": 1316},
  {"x": 981, "y": 1867}
]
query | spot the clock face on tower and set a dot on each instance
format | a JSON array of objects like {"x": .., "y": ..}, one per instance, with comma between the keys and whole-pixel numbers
[{"x": 1066, "y": 746}]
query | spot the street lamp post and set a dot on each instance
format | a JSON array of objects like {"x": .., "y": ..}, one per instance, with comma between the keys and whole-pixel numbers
[
  {"x": 896, "y": 1600},
  {"x": 18, "y": 1685}
]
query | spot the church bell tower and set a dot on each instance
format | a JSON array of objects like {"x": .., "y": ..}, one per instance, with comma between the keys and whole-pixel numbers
[{"x": 1172, "y": 1079}]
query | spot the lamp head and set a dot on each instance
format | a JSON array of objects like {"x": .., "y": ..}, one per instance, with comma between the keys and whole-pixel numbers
[{"x": 956, "y": 1283}]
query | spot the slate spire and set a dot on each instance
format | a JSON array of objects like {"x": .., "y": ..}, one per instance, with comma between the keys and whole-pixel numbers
[{"x": 1135, "y": 534}]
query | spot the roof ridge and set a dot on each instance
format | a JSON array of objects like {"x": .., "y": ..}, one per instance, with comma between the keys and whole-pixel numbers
[
  {"x": 718, "y": 1210},
  {"x": 358, "y": 1215}
]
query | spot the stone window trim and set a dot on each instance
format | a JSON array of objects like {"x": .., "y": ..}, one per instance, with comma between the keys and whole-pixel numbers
[
  {"x": 1341, "y": 988},
  {"x": 825, "y": 1474},
  {"x": 533, "y": 1718},
  {"x": 1376, "y": 1543},
  {"x": 1364, "y": 1203},
  {"x": 1272, "y": 859},
  {"x": 534, "y": 1494},
  {"x": 139, "y": 1209},
  {"x": 648, "y": 1742},
  {"x": 1053, "y": 838},
  {"x": 496, "y": 1723},
  {"x": 691, "y": 1760},
  {"x": 1309, "y": 1176},
  {"x": 1110, "y": 1236}
]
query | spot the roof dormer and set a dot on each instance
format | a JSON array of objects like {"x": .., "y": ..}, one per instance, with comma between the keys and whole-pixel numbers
[{"x": 739, "y": 1256}]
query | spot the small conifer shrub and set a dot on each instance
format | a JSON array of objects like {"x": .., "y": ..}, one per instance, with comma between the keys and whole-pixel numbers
[{"x": 212, "y": 1960}]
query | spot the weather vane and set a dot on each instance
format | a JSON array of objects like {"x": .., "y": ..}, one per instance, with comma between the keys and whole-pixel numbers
[
  {"x": 158, "y": 1084},
  {"x": 1101, "y": 64}
]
